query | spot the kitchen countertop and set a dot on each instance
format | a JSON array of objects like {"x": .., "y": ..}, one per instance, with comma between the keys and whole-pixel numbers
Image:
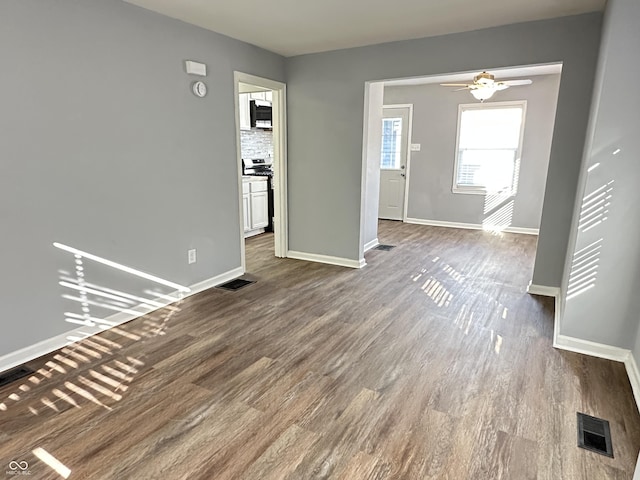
[{"x": 252, "y": 178}]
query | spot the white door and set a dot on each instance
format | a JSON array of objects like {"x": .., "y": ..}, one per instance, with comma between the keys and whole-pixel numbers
[{"x": 393, "y": 161}]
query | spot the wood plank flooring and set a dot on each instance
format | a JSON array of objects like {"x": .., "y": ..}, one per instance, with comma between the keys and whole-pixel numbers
[{"x": 432, "y": 362}]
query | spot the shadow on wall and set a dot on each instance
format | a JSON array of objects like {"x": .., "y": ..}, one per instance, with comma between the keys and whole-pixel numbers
[
  {"x": 498, "y": 211},
  {"x": 90, "y": 296},
  {"x": 92, "y": 369},
  {"x": 498, "y": 207},
  {"x": 594, "y": 211},
  {"x": 107, "y": 380}
]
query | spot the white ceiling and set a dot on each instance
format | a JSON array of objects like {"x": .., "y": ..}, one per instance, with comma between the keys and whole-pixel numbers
[{"x": 294, "y": 27}]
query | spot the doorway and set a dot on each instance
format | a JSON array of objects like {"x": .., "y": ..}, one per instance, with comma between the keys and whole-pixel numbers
[
  {"x": 394, "y": 161},
  {"x": 275, "y": 153},
  {"x": 435, "y": 166}
]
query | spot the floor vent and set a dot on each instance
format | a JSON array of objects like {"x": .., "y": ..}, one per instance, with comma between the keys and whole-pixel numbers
[
  {"x": 594, "y": 434},
  {"x": 386, "y": 248},
  {"x": 236, "y": 284},
  {"x": 14, "y": 374}
]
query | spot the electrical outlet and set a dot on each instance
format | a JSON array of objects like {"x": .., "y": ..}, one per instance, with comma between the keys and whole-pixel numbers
[
  {"x": 191, "y": 255},
  {"x": 415, "y": 147}
]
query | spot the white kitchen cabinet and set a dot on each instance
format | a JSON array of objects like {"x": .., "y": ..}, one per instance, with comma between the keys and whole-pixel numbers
[
  {"x": 268, "y": 96},
  {"x": 259, "y": 214},
  {"x": 245, "y": 114},
  {"x": 246, "y": 208},
  {"x": 255, "y": 206}
]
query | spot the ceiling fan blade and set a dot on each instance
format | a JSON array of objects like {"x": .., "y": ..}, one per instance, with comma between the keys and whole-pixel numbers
[
  {"x": 513, "y": 83},
  {"x": 500, "y": 86},
  {"x": 463, "y": 88},
  {"x": 454, "y": 85}
]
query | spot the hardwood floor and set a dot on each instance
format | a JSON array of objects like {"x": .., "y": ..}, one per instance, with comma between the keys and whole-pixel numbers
[{"x": 432, "y": 362}]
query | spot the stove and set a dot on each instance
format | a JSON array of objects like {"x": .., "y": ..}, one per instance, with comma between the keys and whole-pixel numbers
[{"x": 261, "y": 167}]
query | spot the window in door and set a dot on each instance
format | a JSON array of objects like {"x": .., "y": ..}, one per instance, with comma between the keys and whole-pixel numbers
[
  {"x": 391, "y": 143},
  {"x": 489, "y": 145}
]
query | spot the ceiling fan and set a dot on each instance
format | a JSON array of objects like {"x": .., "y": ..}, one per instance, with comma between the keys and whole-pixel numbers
[{"x": 485, "y": 85}]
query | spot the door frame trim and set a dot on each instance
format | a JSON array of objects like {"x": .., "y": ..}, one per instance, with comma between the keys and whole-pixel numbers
[
  {"x": 280, "y": 207},
  {"x": 408, "y": 106}
]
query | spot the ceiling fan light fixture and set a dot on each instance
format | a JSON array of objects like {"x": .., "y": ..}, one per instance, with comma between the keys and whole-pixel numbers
[
  {"x": 484, "y": 78},
  {"x": 485, "y": 85},
  {"x": 482, "y": 94}
]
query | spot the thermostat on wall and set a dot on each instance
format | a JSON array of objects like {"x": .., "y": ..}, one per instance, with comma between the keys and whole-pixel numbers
[{"x": 199, "y": 89}]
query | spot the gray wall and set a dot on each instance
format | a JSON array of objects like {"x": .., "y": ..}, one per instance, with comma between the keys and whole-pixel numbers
[
  {"x": 326, "y": 100},
  {"x": 435, "y": 117},
  {"x": 609, "y": 312},
  {"x": 105, "y": 148}
]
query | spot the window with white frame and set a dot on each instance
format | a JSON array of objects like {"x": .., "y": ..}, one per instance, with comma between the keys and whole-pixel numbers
[
  {"x": 489, "y": 147},
  {"x": 391, "y": 142}
]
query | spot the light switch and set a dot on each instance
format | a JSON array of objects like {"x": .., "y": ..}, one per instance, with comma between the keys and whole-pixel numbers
[{"x": 415, "y": 147}]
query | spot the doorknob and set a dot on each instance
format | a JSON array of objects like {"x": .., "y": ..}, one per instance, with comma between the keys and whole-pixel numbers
[{"x": 402, "y": 167}]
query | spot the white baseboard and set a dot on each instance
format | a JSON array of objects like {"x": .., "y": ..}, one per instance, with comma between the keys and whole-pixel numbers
[
  {"x": 372, "y": 244},
  {"x": 36, "y": 350},
  {"x": 49, "y": 345},
  {"x": 314, "y": 257},
  {"x": 439, "y": 223},
  {"x": 601, "y": 350},
  {"x": 522, "y": 230},
  {"x": 543, "y": 290},
  {"x": 594, "y": 349},
  {"x": 573, "y": 344},
  {"x": 215, "y": 281},
  {"x": 470, "y": 226},
  {"x": 634, "y": 377}
]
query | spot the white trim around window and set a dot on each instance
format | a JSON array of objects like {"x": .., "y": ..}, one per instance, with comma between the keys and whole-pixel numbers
[{"x": 511, "y": 155}]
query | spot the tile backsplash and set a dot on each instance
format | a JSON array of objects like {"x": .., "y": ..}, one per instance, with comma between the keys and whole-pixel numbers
[{"x": 256, "y": 143}]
